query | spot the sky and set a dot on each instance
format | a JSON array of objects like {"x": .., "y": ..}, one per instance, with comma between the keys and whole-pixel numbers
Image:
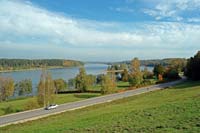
[{"x": 99, "y": 30}]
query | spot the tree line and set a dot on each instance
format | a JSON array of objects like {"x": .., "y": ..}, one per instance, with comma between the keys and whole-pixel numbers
[
  {"x": 17, "y": 64},
  {"x": 8, "y": 87},
  {"x": 163, "y": 62}
]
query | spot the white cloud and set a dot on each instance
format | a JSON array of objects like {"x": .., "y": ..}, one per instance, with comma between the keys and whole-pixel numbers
[
  {"x": 172, "y": 9},
  {"x": 195, "y": 20},
  {"x": 27, "y": 27}
]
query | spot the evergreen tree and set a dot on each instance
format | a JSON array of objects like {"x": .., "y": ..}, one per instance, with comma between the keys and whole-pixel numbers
[{"x": 193, "y": 67}]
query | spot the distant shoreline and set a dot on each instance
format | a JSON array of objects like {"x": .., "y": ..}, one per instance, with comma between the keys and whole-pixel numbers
[{"x": 32, "y": 69}]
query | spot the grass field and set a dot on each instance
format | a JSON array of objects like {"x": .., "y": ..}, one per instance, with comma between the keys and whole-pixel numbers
[
  {"x": 175, "y": 109},
  {"x": 18, "y": 105}
]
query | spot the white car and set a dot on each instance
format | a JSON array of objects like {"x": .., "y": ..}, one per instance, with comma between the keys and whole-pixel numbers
[{"x": 51, "y": 106}]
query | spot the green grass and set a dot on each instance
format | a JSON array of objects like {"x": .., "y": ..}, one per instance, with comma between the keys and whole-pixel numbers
[
  {"x": 18, "y": 105},
  {"x": 172, "y": 110},
  {"x": 122, "y": 85}
]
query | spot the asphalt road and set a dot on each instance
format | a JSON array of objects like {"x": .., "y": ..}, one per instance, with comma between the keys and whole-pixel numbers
[{"x": 39, "y": 113}]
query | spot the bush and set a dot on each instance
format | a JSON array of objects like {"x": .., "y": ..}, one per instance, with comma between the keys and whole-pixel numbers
[
  {"x": 171, "y": 74},
  {"x": 136, "y": 79},
  {"x": 108, "y": 85},
  {"x": 31, "y": 104},
  {"x": 9, "y": 109}
]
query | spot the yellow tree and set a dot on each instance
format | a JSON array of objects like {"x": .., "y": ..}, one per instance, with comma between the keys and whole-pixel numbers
[
  {"x": 81, "y": 80},
  {"x": 6, "y": 88},
  {"x": 46, "y": 89},
  {"x": 107, "y": 85},
  {"x": 136, "y": 77}
]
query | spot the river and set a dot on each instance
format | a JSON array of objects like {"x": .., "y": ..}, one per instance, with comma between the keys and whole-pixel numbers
[{"x": 64, "y": 73}]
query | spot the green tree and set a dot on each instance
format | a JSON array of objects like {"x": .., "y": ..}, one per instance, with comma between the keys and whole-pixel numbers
[
  {"x": 178, "y": 64},
  {"x": 6, "y": 88},
  {"x": 60, "y": 85},
  {"x": 158, "y": 70},
  {"x": 147, "y": 74},
  {"x": 24, "y": 87},
  {"x": 81, "y": 80},
  {"x": 171, "y": 74},
  {"x": 91, "y": 80},
  {"x": 46, "y": 89},
  {"x": 107, "y": 85},
  {"x": 72, "y": 83},
  {"x": 193, "y": 67}
]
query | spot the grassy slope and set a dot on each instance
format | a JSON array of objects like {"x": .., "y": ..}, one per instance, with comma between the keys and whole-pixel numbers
[
  {"x": 172, "y": 110},
  {"x": 18, "y": 105}
]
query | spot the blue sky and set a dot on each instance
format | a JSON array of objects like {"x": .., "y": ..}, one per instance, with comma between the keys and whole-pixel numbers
[{"x": 99, "y": 30}]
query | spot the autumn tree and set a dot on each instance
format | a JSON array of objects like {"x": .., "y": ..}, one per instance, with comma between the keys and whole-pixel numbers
[
  {"x": 158, "y": 70},
  {"x": 46, "y": 89},
  {"x": 108, "y": 85},
  {"x": 6, "y": 88},
  {"x": 125, "y": 75},
  {"x": 135, "y": 77},
  {"x": 81, "y": 80}
]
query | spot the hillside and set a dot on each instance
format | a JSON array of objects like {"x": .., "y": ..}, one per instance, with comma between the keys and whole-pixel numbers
[{"x": 172, "y": 110}]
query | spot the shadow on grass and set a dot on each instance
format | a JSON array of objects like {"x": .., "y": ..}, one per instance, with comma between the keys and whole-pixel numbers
[
  {"x": 120, "y": 86},
  {"x": 85, "y": 95},
  {"x": 187, "y": 84}
]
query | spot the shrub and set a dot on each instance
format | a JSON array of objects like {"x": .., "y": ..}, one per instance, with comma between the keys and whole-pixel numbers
[
  {"x": 9, "y": 109},
  {"x": 108, "y": 85},
  {"x": 171, "y": 74},
  {"x": 31, "y": 104}
]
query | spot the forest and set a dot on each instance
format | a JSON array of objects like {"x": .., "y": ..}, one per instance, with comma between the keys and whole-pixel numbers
[{"x": 18, "y": 64}]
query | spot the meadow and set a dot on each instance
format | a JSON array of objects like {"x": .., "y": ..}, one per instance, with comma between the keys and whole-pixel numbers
[{"x": 175, "y": 109}]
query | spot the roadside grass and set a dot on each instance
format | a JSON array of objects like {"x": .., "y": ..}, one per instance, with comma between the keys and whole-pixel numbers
[
  {"x": 18, "y": 105},
  {"x": 176, "y": 109}
]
